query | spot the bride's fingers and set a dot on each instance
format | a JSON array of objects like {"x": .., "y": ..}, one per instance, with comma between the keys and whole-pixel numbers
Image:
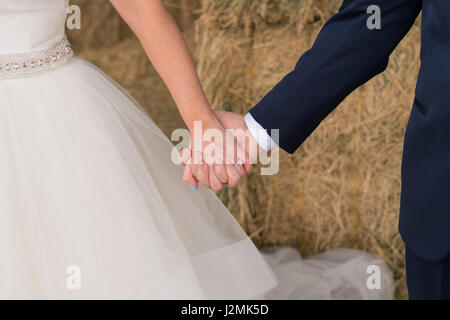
[
  {"x": 244, "y": 155},
  {"x": 241, "y": 156},
  {"x": 189, "y": 178},
  {"x": 234, "y": 172},
  {"x": 238, "y": 165},
  {"x": 196, "y": 160},
  {"x": 245, "y": 165},
  {"x": 184, "y": 156},
  {"x": 214, "y": 182},
  {"x": 203, "y": 175},
  {"x": 221, "y": 173},
  {"x": 241, "y": 170},
  {"x": 233, "y": 175},
  {"x": 194, "y": 170}
]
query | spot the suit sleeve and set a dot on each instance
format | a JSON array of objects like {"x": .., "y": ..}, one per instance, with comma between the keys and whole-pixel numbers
[{"x": 345, "y": 55}]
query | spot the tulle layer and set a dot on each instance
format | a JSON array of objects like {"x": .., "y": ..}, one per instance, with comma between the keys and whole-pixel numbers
[
  {"x": 87, "y": 181},
  {"x": 339, "y": 274}
]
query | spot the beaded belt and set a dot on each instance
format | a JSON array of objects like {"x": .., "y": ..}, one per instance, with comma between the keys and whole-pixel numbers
[{"x": 29, "y": 64}]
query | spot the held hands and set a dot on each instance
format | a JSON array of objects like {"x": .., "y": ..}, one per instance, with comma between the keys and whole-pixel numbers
[{"x": 221, "y": 152}]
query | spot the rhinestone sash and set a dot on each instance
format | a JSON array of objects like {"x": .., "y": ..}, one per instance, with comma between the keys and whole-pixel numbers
[{"x": 34, "y": 63}]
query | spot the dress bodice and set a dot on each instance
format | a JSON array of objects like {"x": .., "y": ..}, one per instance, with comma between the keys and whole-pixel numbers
[{"x": 28, "y": 25}]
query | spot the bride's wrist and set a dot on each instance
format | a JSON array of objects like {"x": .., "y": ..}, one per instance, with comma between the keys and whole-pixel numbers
[{"x": 205, "y": 121}]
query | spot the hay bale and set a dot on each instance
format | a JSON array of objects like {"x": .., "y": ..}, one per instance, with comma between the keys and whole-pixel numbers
[{"x": 342, "y": 188}]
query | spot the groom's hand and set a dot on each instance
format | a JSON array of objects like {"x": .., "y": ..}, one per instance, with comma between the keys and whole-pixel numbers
[{"x": 247, "y": 147}]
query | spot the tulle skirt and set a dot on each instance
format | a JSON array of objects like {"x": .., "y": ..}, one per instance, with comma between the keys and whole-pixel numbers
[
  {"x": 338, "y": 274},
  {"x": 91, "y": 205}
]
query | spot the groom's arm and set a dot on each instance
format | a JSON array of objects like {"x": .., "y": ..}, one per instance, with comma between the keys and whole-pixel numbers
[{"x": 344, "y": 56}]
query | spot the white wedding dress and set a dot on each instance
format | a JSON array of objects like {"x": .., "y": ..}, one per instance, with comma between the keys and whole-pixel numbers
[{"x": 89, "y": 195}]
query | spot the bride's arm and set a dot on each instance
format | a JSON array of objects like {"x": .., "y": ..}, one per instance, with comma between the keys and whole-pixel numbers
[{"x": 166, "y": 49}]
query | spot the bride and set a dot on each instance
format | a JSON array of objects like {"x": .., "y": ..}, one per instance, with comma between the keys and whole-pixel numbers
[{"x": 91, "y": 205}]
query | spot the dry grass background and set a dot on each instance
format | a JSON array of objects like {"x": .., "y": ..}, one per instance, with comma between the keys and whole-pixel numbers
[{"x": 342, "y": 188}]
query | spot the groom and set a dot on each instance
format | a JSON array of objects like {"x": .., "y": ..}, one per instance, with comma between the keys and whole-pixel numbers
[{"x": 345, "y": 55}]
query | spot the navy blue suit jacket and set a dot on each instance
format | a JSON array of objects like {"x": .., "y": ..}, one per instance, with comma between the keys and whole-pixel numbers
[{"x": 345, "y": 55}]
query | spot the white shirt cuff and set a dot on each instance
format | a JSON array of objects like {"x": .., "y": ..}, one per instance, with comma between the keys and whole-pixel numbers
[{"x": 259, "y": 133}]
